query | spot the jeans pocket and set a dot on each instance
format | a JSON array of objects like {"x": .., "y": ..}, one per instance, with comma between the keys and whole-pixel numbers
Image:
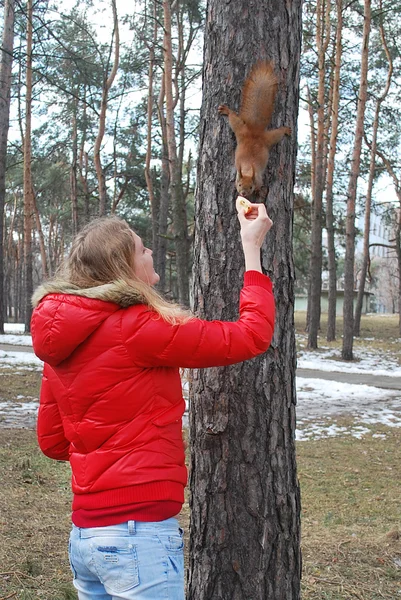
[
  {"x": 116, "y": 565},
  {"x": 70, "y": 560},
  {"x": 173, "y": 542}
]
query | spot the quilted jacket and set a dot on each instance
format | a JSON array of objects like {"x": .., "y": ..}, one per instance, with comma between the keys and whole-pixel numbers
[{"x": 111, "y": 399}]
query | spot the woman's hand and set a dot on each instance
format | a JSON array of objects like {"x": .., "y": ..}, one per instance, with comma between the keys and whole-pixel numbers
[{"x": 255, "y": 223}]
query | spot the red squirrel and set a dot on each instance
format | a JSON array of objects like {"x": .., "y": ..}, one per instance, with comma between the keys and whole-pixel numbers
[{"x": 249, "y": 126}]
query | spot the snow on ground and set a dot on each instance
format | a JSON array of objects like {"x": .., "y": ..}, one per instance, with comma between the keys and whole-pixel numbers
[
  {"x": 26, "y": 360},
  {"x": 368, "y": 361},
  {"x": 15, "y": 335},
  {"x": 19, "y": 414},
  {"x": 319, "y": 402}
]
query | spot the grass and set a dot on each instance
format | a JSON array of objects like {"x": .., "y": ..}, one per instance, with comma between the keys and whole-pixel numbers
[
  {"x": 383, "y": 328},
  {"x": 379, "y": 333},
  {"x": 351, "y": 513},
  {"x": 350, "y": 519}
]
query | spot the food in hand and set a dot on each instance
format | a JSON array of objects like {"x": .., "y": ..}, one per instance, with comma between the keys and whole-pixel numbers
[{"x": 244, "y": 203}]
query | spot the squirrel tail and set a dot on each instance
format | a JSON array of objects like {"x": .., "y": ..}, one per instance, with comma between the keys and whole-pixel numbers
[{"x": 258, "y": 95}]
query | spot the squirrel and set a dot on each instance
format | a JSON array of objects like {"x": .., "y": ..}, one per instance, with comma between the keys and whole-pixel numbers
[{"x": 253, "y": 140}]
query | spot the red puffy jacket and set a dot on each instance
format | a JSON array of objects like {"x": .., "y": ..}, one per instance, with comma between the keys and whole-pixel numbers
[{"x": 111, "y": 399}]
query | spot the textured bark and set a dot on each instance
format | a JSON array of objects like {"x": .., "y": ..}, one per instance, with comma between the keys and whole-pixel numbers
[
  {"x": 6, "y": 54},
  {"x": 148, "y": 175},
  {"x": 315, "y": 272},
  {"x": 73, "y": 172},
  {"x": 108, "y": 82},
  {"x": 42, "y": 245},
  {"x": 368, "y": 201},
  {"x": 164, "y": 199},
  {"x": 28, "y": 191},
  {"x": 176, "y": 189},
  {"x": 348, "y": 308},
  {"x": 332, "y": 308},
  {"x": 244, "y": 492}
]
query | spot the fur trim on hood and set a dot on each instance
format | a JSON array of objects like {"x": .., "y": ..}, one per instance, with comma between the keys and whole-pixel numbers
[{"x": 120, "y": 292}]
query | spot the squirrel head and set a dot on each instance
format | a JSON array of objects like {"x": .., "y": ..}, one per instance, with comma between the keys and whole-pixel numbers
[{"x": 245, "y": 184}]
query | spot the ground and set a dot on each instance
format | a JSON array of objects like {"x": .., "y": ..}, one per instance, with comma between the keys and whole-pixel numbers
[{"x": 349, "y": 475}]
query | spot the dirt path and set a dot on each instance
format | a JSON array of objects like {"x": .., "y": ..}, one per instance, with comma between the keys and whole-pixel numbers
[{"x": 380, "y": 381}]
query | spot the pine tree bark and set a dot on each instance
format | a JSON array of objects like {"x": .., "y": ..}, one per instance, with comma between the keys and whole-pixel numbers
[
  {"x": 176, "y": 189},
  {"x": 315, "y": 272},
  {"x": 6, "y": 53},
  {"x": 348, "y": 307},
  {"x": 73, "y": 170},
  {"x": 368, "y": 200},
  {"x": 244, "y": 492},
  {"x": 108, "y": 82},
  {"x": 332, "y": 266},
  {"x": 28, "y": 191},
  {"x": 164, "y": 197}
]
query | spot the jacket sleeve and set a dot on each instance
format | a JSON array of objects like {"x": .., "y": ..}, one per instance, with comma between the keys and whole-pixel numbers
[
  {"x": 50, "y": 431},
  {"x": 153, "y": 342}
]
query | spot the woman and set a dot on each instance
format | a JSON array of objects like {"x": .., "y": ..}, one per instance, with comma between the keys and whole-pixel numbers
[{"x": 111, "y": 400}]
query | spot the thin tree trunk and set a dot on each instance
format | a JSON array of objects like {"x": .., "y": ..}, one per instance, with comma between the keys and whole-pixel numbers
[
  {"x": 177, "y": 196},
  {"x": 148, "y": 174},
  {"x": 28, "y": 191},
  {"x": 108, "y": 82},
  {"x": 6, "y": 53},
  {"x": 244, "y": 492},
  {"x": 332, "y": 299},
  {"x": 368, "y": 201},
  {"x": 83, "y": 164},
  {"x": 164, "y": 197},
  {"x": 73, "y": 172},
  {"x": 42, "y": 246},
  {"x": 348, "y": 308},
  {"x": 315, "y": 272}
]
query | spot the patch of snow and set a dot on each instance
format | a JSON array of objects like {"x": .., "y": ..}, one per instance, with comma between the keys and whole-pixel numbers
[
  {"x": 25, "y": 359},
  {"x": 16, "y": 340},
  {"x": 374, "y": 363},
  {"x": 18, "y": 414},
  {"x": 14, "y": 327}
]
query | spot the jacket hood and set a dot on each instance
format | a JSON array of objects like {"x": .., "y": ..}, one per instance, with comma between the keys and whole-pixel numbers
[{"x": 66, "y": 315}]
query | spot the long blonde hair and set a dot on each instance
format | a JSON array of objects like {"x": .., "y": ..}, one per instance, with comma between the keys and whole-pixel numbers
[{"x": 103, "y": 253}]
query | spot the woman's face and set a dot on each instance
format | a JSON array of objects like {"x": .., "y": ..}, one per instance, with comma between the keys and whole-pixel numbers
[{"x": 143, "y": 263}]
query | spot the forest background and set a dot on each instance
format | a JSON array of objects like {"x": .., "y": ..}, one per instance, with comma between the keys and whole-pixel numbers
[{"x": 103, "y": 109}]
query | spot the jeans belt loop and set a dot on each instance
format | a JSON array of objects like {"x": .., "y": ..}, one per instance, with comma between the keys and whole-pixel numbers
[{"x": 131, "y": 528}]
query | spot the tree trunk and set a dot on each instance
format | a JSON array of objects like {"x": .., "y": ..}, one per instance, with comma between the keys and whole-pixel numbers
[
  {"x": 348, "y": 308},
  {"x": 5, "y": 86},
  {"x": 322, "y": 40},
  {"x": 148, "y": 174},
  {"x": 45, "y": 271},
  {"x": 73, "y": 171},
  {"x": 332, "y": 299},
  {"x": 28, "y": 191},
  {"x": 164, "y": 197},
  {"x": 244, "y": 500},
  {"x": 368, "y": 201},
  {"x": 108, "y": 82},
  {"x": 177, "y": 196}
]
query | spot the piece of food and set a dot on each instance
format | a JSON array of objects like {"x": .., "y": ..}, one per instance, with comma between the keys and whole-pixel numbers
[{"x": 244, "y": 203}]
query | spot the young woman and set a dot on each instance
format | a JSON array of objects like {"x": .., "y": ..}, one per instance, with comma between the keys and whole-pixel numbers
[{"x": 111, "y": 400}]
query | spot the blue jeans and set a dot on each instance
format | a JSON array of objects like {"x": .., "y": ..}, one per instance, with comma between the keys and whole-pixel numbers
[{"x": 130, "y": 561}]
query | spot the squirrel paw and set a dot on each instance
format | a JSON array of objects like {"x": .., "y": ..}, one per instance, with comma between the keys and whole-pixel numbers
[{"x": 223, "y": 109}]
